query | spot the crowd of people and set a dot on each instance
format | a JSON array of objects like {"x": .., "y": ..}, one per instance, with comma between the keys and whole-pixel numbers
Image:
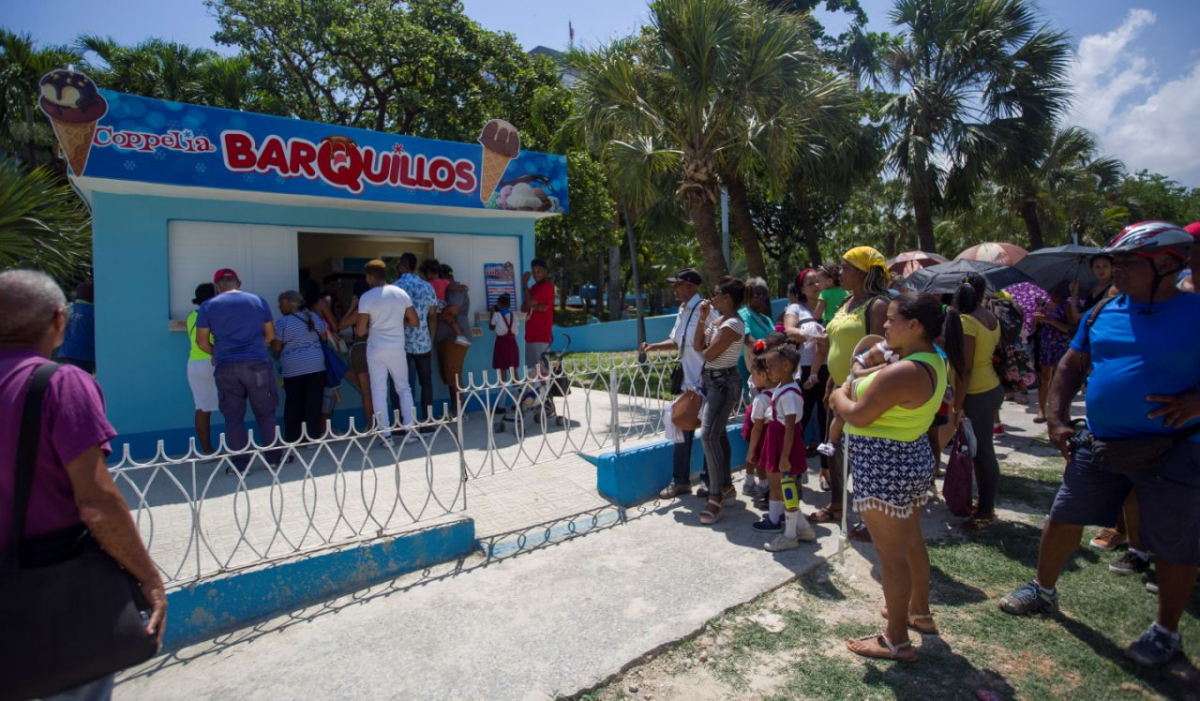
[{"x": 899, "y": 372}]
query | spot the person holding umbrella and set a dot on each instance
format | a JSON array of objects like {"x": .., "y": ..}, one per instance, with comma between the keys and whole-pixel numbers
[{"x": 1101, "y": 267}]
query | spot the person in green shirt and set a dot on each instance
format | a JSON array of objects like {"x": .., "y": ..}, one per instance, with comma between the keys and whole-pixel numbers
[
  {"x": 200, "y": 375},
  {"x": 832, "y": 293}
]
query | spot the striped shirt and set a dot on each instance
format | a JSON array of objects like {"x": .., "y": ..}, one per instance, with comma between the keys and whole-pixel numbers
[
  {"x": 728, "y": 357},
  {"x": 302, "y": 353}
]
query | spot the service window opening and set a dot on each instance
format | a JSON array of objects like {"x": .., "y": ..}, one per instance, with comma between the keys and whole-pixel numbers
[{"x": 337, "y": 260}]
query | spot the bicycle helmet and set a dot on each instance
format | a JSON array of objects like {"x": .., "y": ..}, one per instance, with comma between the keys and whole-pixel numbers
[{"x": 1152, "y": 239}]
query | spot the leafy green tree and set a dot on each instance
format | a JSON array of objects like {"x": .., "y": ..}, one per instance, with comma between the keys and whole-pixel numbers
[
  {"x": 23, "y": 130},
  {"x": 574, "y": 242},
  {"x": 43, "y": 224},
  {"x": 421, "y": 67},
  {"x": 1149, "y": 195},
  {"x": 1058, "y": 170},
  {"x": 972, "y": 77}
]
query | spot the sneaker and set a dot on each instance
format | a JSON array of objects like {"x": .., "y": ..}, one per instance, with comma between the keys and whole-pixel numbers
[
  {"x": 673, "y": 490},
  {"x": 998, "y": 430},
  {"x": 825, "y": 486},
  {"x": 827, "y": 449},
  {"x": 749, "y": 488},
  {"x": 386, "y": 440},
  {"x": 702, "y": 491},
  {"x": 1031, "y": 598},
  {"x": 781, "y": 543},
  {"x": 767, "y": 525},
  {"x": 462, "y": 340},
  {"x": 762, "y": 501},
  {"x": 1155, "y": 648},
  {"x": 764, "y": 490},
  {"x": 1108, "y": 539},
  {"x": 1152, "y": 583},
  {"x": 1130, "y": 563},
  {"x": 807, "y": 535}
]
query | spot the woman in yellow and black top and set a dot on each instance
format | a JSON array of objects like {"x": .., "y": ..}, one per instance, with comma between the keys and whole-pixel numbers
[
  {"x": 865, "y": 276},
  {"x": 892, "y": 460},
  {"x": 200, "y": 373},
  {"x": 983, "y": 395}
]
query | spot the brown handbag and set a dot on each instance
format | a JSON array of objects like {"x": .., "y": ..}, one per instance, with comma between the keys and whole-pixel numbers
[{"x": 685, "y": 412}]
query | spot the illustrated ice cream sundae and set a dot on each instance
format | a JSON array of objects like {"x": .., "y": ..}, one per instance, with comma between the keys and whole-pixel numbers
[
  {"x": 74, "y": 106},
  {"x": 340, "y": 149},
  {"x": 501, "y": 143}
]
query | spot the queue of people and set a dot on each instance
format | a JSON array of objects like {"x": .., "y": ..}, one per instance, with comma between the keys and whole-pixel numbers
[{"x": 898, "y": 371}]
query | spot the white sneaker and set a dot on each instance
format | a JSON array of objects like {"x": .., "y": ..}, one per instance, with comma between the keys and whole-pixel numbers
[
  {"x": 781, "y": 543},
  {"x": 462, "y": 340},
  {"x": 386, "y": 440},
  {"x": 807, "y": 535},
  {"x": 827, "y": 449}
]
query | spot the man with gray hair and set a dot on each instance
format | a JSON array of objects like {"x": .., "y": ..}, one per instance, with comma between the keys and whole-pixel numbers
[
  {"x": 243, "y": 327},
  {"x": 72, "y": 494}
]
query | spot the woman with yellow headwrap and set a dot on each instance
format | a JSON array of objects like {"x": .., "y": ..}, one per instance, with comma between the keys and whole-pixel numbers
[{"x": 865, "y": 276}]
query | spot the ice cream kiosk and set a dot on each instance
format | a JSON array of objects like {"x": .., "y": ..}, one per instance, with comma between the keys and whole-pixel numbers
[{"x": 179, "y": 191}]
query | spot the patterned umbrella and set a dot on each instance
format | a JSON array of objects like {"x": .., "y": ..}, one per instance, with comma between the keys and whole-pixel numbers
[
  {"x": 909, "y": 262},
  {"x": 1002, "y": 253},
  {"x": 1029, "y": 297}
]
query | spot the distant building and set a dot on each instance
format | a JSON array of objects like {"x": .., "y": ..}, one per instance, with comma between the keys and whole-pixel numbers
[{"x": 566, "y": 75}]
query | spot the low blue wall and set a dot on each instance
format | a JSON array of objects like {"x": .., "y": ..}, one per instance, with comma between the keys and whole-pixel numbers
[
  {"x": 616, "y": 336},
  {"x": 638, "y": 474},
  {"x": 208, "y": 609}
]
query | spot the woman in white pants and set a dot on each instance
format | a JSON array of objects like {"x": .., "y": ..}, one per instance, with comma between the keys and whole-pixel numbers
[{"x": 383, "y": 312}]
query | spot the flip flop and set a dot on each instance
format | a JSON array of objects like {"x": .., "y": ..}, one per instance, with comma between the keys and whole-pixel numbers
[
  {"x": 903, "y": 652},
  {"x": 1039, "y": 420}
]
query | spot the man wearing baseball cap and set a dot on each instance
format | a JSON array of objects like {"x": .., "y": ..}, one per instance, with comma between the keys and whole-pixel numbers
[
  {"x": 241, "y": 327},
  {"x": 686, "y": 285},
  {"x": 538, "y": 305}
]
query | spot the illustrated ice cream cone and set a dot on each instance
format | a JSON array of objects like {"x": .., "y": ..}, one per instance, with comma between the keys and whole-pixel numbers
[
  {"x": 74, "y": 107},
  {"x": 501, "y": 143}
]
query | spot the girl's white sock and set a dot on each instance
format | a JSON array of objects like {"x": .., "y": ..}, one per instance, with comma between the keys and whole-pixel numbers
[{"x": 775, "y": 510}]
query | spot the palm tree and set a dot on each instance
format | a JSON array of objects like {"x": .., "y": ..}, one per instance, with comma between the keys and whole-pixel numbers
[
  {"x": 703, "y": 76},
  {"x": 1058, "y": 168},
  {"x": 22, "y": 65},
  {"x": 43, "y": 225},
  {"x": 972, "y": 76}
]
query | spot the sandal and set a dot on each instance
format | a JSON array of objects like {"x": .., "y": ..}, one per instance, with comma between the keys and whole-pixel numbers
[
  {"x": 979, "y": 523},
  {"x": 885, "y": 650},
  {"x": 825, "y": 515},
  {"x": 712, "y": 511},
  {"x": 1039, "y": 419},
  {"x": 859, "y": 533},
  {"x": 922, "y": 623}
]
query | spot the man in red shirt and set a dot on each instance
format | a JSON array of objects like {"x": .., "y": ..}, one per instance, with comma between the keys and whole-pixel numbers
[{"x": 538, "y": 305}]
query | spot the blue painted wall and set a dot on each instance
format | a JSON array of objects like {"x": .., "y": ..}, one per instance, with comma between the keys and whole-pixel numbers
[
  {"x": 637, "y": 474},
  {"x": 615, "y": 336},
  {"x": 142, "y": 364}
]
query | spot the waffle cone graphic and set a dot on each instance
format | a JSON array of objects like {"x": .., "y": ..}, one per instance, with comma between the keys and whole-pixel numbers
[
  {"x": 76, "y": 142},
  {"x": 501, "y": 143},
  {"x": 494, "y": 165}
]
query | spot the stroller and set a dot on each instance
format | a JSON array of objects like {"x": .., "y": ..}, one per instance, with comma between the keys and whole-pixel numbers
[{"x": 538, "y": 391}]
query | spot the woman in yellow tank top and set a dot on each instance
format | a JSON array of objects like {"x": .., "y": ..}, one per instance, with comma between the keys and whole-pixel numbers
[
  {"x": 892, "y": 461},
  {"x": 984, "y": 395}
]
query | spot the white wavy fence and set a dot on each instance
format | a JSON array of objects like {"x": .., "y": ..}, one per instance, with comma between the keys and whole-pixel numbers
[{"x": 200, "y": 516}]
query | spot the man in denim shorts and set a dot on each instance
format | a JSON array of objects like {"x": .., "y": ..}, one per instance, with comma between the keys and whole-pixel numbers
[{"x": 1145, "y": 375}]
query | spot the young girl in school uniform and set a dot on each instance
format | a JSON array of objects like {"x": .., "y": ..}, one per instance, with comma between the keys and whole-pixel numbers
[
  {"x": 505, "y": 354},
  {"x": 783, "y": 456},
  {"x": 755, "y": 482}
]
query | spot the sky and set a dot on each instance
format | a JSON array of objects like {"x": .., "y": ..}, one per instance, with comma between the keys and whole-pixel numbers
[{"x": 1136, "y": 68}]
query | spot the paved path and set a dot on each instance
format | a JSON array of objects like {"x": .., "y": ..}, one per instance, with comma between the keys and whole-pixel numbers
[{"x": 557, "y": 620}]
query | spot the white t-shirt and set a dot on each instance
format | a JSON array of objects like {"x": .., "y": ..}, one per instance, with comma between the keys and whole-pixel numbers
[
  {"x": 683, "y": 332},
  {"x": 810, "y": 327},
  {"x": 501, "y": 326},
  {"x": 385, "y": 306},
  {"x": 786, "y": 403},
  {"x": 758, "y": 408}
]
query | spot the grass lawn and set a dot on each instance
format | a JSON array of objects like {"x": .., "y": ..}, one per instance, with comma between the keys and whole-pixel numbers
[{"x": 789, "y": 643}]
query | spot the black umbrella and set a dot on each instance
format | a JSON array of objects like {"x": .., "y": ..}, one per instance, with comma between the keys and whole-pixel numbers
[
  {"x": 945, "y": 278},
  {"x": 1052, "y": 266}
]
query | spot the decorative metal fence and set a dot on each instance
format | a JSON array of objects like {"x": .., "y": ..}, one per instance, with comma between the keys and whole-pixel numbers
[{"x": 206, "y": 515}]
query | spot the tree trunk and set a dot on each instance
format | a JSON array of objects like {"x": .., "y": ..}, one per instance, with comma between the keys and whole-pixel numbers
[
  {"x": 704, "y": 218},
  {"x": 638, "y": 303},
  {"x": 616, "y": 303},
  {"x": 744, "y": 223},
  {"x": 1029, "y": 212},
  {"x": 807, "y": 225},
  {"x": 921, "y": 188}
]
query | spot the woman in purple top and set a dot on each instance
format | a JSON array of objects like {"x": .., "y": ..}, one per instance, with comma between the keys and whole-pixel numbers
[{"x": 1051, "y": 325}]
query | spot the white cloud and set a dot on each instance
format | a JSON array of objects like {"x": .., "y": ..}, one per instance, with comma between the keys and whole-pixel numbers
[{"x": 1144, "y": 121}]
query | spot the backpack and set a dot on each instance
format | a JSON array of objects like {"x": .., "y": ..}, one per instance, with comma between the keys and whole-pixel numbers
[{"x": 1011, "y": 318}]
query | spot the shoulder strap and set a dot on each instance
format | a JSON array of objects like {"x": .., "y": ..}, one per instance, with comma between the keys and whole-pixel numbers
[
  {"x": 928, "y": 371},
  {"x": 27, "y": 448},
  {"x": 867, "y": 312},
  {"x": 1091, "y": 320}
]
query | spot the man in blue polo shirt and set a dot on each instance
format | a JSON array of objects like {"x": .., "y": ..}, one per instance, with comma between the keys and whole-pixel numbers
[
  {"x": 1144, "y": 383},
  {"x": 243, "y": 327}
]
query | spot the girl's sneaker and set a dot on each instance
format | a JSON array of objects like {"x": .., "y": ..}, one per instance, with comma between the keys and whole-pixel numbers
[{"x": 768, "y": 526}]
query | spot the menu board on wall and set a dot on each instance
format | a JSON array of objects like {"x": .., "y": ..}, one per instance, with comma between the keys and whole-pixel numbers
[{"x": 499, "y": 279}]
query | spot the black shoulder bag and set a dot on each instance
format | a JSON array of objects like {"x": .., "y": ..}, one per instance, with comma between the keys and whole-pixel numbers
[
  {"x": 1125, "y": 455},
  {"x": 71, "y": 614},
  {"x": 677, "y": 373}
]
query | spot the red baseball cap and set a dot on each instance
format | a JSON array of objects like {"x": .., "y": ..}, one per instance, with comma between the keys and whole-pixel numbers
[
  {"x": 225, "y": 273},
  {"x": 1193, "y": 229}
]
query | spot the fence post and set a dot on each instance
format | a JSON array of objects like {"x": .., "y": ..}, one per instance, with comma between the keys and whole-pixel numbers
[{"x": 615, "y": 429}]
